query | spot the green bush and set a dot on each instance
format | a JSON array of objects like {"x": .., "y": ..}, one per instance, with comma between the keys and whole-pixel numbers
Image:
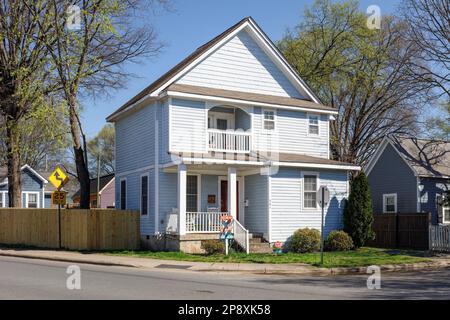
[
  {"x": 358, "y": 215},
  {"x": 305, "y": 240},
  {"x": 338, "y": 241},
  {"x": 213, "y": 246}
]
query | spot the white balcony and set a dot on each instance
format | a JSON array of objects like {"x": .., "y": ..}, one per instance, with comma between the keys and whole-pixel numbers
[{"x": 229, "y": 141}]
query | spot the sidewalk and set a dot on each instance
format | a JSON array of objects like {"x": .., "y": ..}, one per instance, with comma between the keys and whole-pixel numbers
[{"x": 145, "y": 263}]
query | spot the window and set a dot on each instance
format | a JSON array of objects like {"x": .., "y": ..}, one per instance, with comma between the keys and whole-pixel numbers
[
  {"x": 2, "y": 199},
  {"x": 123, "y": 194},
  {"x": 310, "y": 191},
  {"x": 389, "y": 203},
  {"x": 269, "y": 120},
  {"x": 313, "y": 124},
  {"x": 446, "y": 214},
  {"x": 31, "y": 200},
  {"x": 144, "y": 195},
  {"x": 191, "y": 193},
  {"x": 222, "y": 124}
]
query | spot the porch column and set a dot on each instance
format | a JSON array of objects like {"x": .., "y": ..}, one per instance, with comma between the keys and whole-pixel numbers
[
  {"x": 232, "y": 205},
  {"x": 181, "y": 199}
]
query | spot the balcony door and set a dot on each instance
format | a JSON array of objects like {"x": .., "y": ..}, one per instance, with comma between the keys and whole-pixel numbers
[
  {"x": 220, "y": 121},
  {"x": 223, "y": 192}
]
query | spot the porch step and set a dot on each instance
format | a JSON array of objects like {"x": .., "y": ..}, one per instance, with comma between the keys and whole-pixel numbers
[
  {"x": 262, "y": 247},
  {"x": 255, "y": 235},
  {"x": 255, "y": 240}
]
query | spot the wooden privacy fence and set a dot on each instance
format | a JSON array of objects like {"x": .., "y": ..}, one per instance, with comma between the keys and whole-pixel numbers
[
  {"x": 440, "y": 238},
  {"x": 96, "y": 229},
  {"x": 401, "y": 230}
]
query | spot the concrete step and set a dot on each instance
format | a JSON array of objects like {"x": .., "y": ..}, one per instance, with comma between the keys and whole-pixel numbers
[
  {"x": 255, "y": 240},
  {"x": 255, "y": 235},
  {"x": 263, "y": 247}
]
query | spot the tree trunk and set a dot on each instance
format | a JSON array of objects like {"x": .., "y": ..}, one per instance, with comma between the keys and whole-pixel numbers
[
  {"x": 13, "y": 160},
  {"x": 80, "y": 159}
]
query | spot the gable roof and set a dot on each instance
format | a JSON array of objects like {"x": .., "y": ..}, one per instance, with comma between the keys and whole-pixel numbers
[
  {"x": 104, "y": 180},
  {"x": 178, "y": 70},
  {"x": 426, "y": 158},
  {"x": 4, "y": 174}
]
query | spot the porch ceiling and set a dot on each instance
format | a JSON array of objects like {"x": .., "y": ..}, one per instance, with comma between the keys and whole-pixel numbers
[{"x": 217, "y": 169}]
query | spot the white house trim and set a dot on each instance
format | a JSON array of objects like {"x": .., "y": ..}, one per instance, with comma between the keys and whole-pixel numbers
[
  {"x": 27, "y": 193},
  {"x": 181, "y": 95},
  {"x": 3, "y": 197},
  {"x": 106, "y": 185},
  {"x": 302, "y": 195},
  {"x": 34, "y": 172}
]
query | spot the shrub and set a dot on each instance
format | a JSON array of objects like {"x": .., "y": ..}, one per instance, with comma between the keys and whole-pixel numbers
[
  {"x": 338, "y": 241},
  {"x": 213, "y": 246},
  {"x": 358, "y": 215},
  {"x": 305, "y": 240}
]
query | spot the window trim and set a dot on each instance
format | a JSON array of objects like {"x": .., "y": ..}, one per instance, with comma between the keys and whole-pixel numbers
[
  {"x": 309, "y": 173},
  {"x": 443, "y": 214},
  {"x": 148, "y": 193},
  {"x": 385, "y": 195},
  {"x": 3, "y": 196},
  {"x": 199, "y": 190},
  {"x": 27, "y": 193},
  {"x": 274, "y": 120},
  {"x": 309, "y": 116},
  {"x": 120, "y": 193}
]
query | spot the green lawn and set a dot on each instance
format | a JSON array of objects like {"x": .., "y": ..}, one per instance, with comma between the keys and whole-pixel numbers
[{"x": 360, "y": 257}]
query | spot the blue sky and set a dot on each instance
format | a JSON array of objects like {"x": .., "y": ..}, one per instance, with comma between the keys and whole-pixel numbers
[{"x": 190, "y": 24}]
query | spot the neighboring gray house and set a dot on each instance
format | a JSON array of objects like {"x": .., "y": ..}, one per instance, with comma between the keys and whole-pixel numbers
[
  {"x": 410, "y": 175},
  {"x": 34, "y": 193},
  {"x": 232, "y": 129}
]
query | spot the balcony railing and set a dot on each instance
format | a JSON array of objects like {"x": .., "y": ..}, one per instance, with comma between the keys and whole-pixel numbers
[{"x": 229, "y": 141}]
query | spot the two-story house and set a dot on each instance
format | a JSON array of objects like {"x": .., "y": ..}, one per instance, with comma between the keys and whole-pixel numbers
[{"x": 232, "y": 129}]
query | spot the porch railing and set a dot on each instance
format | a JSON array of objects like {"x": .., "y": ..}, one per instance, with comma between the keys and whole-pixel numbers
[
  {"x": 226, "y": 141},
  {"x": 241, "y": 236},
  {"x": 207, "y": 222}
]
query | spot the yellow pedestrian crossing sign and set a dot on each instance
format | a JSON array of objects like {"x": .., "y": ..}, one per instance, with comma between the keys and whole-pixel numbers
[{"x": 58, "y": 178}]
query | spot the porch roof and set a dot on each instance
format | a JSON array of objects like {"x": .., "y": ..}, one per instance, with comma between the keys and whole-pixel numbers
[{"x": 264, "y": 159}]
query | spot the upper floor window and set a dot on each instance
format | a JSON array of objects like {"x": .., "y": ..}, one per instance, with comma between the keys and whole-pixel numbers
[
  {"x": 313, "y": 124},
  {"x": 389, "y": 203},
  {"x": 310, "y": 191},
  {"x": 123, "y": 194},
  {"x": 269, "y": 120}
]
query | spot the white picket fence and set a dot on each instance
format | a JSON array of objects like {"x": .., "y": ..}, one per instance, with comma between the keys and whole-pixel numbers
[{"x": 439, "y": 238}]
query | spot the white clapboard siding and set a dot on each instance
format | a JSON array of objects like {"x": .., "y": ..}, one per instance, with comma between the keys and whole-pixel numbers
[
  {"x": 256, "y": 213},
  {"x": 187, "y": 126},
  {"x": 287, "y": 214},
  {"x": 291, "y": 134},
  {"x": 241, "y": 65}
]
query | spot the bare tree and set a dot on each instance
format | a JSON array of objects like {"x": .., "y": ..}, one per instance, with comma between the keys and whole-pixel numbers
[
  {"x": 90, "y": 60},
  {"x": 429, "y": 29},
  {"x": 365, "y": 74}
]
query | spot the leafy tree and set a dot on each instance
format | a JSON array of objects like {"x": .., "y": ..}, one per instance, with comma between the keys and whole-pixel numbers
[
  {"x": 89, "y": 60},
  {"x": 358, "y": 215},
  {"x": 367, "y": 75},
  {"x": 102, "y": 146}
]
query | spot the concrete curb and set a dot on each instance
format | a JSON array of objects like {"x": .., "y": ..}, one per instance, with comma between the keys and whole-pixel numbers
[{"x": 281, "y": 269}]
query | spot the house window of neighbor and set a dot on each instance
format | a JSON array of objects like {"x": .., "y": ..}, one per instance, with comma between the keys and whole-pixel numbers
[
  {"x": 123, "y": 194},
  {"x": 313, "y": 124},
  {"x": 144, "y": 195},
  {"x": 446, "y": 214},
  {"x": 269, "y": 120},
  {"x": 310, "y": 191},
  {"x": 32, "y": 200},
  {"x": 2, "y": 199},
  {"x": 191, "y": 193},
  {"x": 390, "y": 203}
]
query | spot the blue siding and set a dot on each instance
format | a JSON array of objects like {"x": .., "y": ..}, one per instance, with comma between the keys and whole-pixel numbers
[
  {"x": 432, "y": 188},
  {"x": 167, "y": 194},
  {"x": 209, "y": 186},
  {"x": 256, "y": 217},
  {"x": 243, "y": 120},
  {"x": 392, "y": 175},
  {"x": 30, "y": 183}
]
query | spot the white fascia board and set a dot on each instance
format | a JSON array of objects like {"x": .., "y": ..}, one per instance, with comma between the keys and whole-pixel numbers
[
  {"x": 176, "y": 94},
  {"x": 106, "y": 185},
  {"x": 34, "y": 172},
  {"x": 317, "y": 165}
]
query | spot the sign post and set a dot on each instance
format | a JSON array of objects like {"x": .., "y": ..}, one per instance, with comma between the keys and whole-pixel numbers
[
  {"x": 226, "y": 232},
  {"x": 324, "y": 196},
  {"x": 58, "y": 178}
]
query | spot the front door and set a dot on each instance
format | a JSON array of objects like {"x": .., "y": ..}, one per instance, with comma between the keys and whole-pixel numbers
[{"x": 224, "y": 197}]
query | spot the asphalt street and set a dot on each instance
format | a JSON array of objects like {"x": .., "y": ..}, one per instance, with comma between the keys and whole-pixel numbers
[{"x": 39, "y": 279}]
